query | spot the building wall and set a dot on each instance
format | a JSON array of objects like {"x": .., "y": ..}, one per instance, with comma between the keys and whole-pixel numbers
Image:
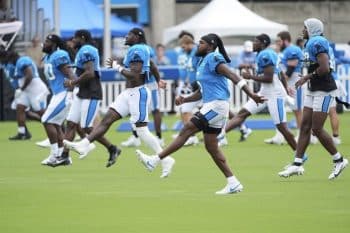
[{"x": 335, "y": 15}]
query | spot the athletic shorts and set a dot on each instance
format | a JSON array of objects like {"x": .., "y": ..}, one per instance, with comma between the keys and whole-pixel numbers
[
  {"x": 57, "y": 109},
  {"x": 133, "y": 101},
  {"x": 275, "y": 106},
  {"x": 83, "y": 111}
]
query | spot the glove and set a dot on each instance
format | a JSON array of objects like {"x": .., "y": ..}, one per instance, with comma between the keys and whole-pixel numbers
[
  {"x": 69, "y": 98},
  {"x": 18, "y": 93}
]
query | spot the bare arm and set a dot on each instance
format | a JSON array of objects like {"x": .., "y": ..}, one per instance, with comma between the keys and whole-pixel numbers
[
  {"x": 89, "y": 73},
  {"x": 266, "y": 77},
  {"x": 197, "y": 95},
  {"x": 28, "y": 77}
]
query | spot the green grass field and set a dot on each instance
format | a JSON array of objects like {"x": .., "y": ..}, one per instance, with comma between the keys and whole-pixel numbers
[{"x": 87, "y": 197}]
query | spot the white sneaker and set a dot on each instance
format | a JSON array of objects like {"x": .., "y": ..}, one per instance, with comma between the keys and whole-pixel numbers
[
  {"x": 161, "y": 142},
  {"x": 44, "y": 143},
  {"x": 338, "y": 168},
  {"x": 278, "y": 140},
  {"x": 50, "y": 159},
  {"x": 131, "y": 142},
  {"x": 247, "y": 132},
  {"x": 192, "y": 141},
  {"x": 150, "y": 162},
  {"x": 82, "y": 147},
  {"x": 222, "y": 142},
  {"x": 167, "y": 166},
  {"x": 230, "y": 189},
  {"x": 336, "y": 140},
  {"x": 313, "y": 140},
  {"x": 291, "y": 171},
  {"x": 91, "y": 147}
]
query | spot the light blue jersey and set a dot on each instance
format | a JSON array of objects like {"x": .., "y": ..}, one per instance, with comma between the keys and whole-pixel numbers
[
  {"x": 188, "y": 65},
  {"x": 9, "y": 70},
  {"x": 265, "y": 58},
  {"x": 52, "y": 71},
  {"x": 139, "y": 53},
  {"x": 85, "y": 54},
  {"x": 313, "y": 47},
  {"x": 213, "y": 85},
  {"x": 21, "y": 64},
  {"x": 292, "y": 52}
]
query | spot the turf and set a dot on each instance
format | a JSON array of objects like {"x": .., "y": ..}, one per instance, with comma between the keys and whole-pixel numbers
[{"x": 87, "y": 197}]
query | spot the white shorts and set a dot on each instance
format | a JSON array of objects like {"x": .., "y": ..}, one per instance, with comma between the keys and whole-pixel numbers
[
  {"x": 57, "y": 110},
  {"x": 320, "y": 103},
  {"x": 298, "y": 98},
  {"x": 37, "y": 102},
  {"x": 275, "y": 106},
  {"x": 133, "y": 101},
  {"x": 215, "y": 113},
  {"x": 83, "y": 111}
]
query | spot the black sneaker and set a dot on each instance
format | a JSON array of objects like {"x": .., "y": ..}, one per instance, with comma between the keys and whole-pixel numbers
[
  {"x": 61, "y": 161},
  {"x": 114, "y": 153},
  {"x": 21, "y": 136}
]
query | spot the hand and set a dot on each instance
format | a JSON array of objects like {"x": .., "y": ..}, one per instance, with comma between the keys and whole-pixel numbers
[
  {"x": 258, "y": 99},
  {"x": 246, "y": 75},
  {"x": 109, "y": 63},
  {"x": 290, "y": 91},
  {"x": 162, "y": 84},
  {"x": 179, "y": 100},
  {"x": 69, "y": 98},
  {"x": 68, "y": 83},
  {"x": 18, "y": 93},
  {"x": 301, "y": 81}
]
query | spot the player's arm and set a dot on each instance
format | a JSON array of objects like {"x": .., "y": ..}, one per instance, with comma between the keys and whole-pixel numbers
[
  {"x": 155, "y": 71},
  {"x": 291, "y": 65},
  {"x": 67, "y": 71},
  {"x": 224, "y": 70},
  {"x": 266, "y": 77},
  {"x": 322, "y": 70},
  {"x": 197, "y": 95},
  {"x": 28, "y": 77},
  {"x": 88, "y": 74}
]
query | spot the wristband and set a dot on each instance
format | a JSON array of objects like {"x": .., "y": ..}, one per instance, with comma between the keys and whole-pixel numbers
[
  {"x": 116, "y": 66},
  {"x": 241, "y": 83}
]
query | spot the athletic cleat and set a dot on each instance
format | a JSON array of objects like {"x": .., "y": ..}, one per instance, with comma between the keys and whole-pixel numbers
[
  {"x": 44, "y": 143},
  {"x": 245, "y": 134},
  {"x": 82, "y": 147},
  {"x": 275, "y": 140},
  {"x": 338, "y": 168},
  {"x": 222, "y": 142},
  {"x": 192, "y": 141},
  {"x": 114, "y": 153},
  {"x": 167, "y": 166},
  {"x": 61, "y": 161},
  {"x": 91, "y": 147},
  {"x": 131, "y": 142},
  {"x": 48, "y": 160},
  {"x": 305, "y": 158},
  {"x": 21, "y": 136},
  {"x": 150, "y": 162},
  {"x": 291, "y": 171},
  {"x": 230, "y": 189}
]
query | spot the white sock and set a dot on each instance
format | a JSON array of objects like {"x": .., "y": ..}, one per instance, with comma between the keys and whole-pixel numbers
[
  {"x": 149, "y": 139},
  {"x": 298, "y": 160},
  {"x": 60, "y": 150},
  {"x": 243, "y": 127},
  {"x": 337, "y": 156},
  {"x": 232, "y": 180},
  {"x": 21, "y": 129},
  {"x": 54, "y": 149}
]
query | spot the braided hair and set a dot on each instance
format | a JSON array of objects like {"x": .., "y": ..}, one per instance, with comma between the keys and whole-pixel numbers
[{"x": 216, "y": 42}]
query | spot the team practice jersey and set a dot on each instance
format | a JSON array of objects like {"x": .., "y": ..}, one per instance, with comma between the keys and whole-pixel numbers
[
  {"x": 265, "y": 58},
  {"x": 52, "y": 71},
  {"x": 314, "y": 46},
  {"x": 139, "y": 53},
  {"x": 90, "y": 89},
  {"x": 213, "y": 85}
]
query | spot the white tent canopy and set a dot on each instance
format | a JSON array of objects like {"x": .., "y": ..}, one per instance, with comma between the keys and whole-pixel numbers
[{"x": 225, "y": 18}]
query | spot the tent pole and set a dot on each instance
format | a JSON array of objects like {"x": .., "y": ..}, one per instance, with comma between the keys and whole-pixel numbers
[
  {"x": 107, "y": 32},
  {"x": 56, "y": 17}
]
